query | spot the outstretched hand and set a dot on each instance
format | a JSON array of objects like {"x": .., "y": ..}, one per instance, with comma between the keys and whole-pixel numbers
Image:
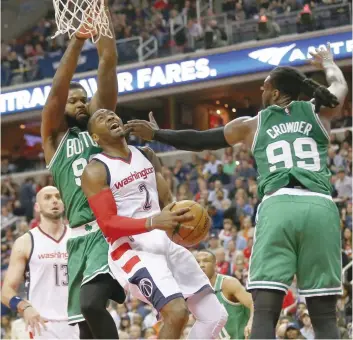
[
  {"x": 142, "y": 128},
  {"x": 321, "y": 56}
]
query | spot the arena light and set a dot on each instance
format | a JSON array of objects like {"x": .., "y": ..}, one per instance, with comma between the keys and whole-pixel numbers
[
  {"x": 218, "y": 112},
  {"x": 217, "y": 102},
  {"x": 234, "y": 110},
  {"x": 226, "y": 105},
  {"x": 22, "y": 126}
]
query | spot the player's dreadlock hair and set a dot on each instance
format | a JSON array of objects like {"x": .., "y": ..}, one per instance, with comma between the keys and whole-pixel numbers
[{"x": 292, "y": 82}]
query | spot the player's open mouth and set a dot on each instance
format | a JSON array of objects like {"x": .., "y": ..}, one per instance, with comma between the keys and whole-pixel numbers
[{"x": 115, "y": 126}]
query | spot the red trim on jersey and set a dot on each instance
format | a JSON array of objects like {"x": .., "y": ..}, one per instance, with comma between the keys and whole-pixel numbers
[
  {"x": 31, "y": 335},
  {"x": 125, "y": 160},
  {"x": 129, "y": 265},
  {"x": 120, "y": 251},
  {"x": 52, "y": 238},
  {"x": 113, "y": 226}
]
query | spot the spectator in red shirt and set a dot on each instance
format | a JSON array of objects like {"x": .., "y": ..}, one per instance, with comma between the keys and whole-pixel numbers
[
  {"x": 247, "y": 250},
  {"x": 221, "y": 263}
]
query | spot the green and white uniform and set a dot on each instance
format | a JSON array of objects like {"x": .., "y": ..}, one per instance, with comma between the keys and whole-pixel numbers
[
  {"x": 298, "y": 225},
  {"x": 238, "y": 314},
  {"x": 87, "y": 247}
]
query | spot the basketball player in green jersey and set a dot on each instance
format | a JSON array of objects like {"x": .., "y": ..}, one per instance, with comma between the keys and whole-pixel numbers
[
  {"x": 298, "y": 225},
  {"x": 232, "y": 295},
  {"x": 67, "y": 149}
]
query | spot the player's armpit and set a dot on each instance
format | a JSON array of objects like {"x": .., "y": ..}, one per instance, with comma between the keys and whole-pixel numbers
[
  {"x": 152, "y": 157},
  {"x": 15, "y": 272}
]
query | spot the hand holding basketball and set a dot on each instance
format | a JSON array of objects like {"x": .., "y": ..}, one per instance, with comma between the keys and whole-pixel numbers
[
  {"x": 168, "y": 220},
  {"x": 192, "y": 231}
]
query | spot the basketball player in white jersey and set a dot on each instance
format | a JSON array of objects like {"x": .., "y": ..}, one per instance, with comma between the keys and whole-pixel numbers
[
  {"x": 125, "y": 190},
  {"x": 40, "y": 256}
]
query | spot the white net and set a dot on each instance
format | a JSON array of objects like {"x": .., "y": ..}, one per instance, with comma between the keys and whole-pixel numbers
[{"x": 86, "y": 17}]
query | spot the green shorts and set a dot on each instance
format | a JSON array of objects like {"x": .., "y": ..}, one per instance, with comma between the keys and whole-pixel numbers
[
  {"x": 297, "y": 235},
  {"x": 88, "y": 257}
]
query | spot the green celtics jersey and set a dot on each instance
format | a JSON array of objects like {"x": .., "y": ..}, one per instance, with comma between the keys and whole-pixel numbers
[
  {"x": 238, "y": 315},
  {"x": 291, "y": 144},
  {"x": 67, "y": 165}
]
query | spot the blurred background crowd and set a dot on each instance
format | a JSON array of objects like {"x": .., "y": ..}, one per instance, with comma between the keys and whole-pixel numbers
[
  {"x": 146, "y": 29},
  {"x": 225, "y": 183}
]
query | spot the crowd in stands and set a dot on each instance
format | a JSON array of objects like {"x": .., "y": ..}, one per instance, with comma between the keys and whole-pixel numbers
[
  {"x": 227, "y": 187},
  {"x": 146, "y": 19}
]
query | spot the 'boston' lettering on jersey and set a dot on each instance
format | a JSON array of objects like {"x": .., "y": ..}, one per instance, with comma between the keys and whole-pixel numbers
[
  {"x": 290, "y": 127},
  {"x": 75, "y": 146},
  {"x": 56, "y": 255},
  {"x": 134, "y": 176}
]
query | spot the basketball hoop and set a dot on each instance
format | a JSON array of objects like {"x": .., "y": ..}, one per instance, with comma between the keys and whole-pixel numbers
[{"x": 82, "y": 16}]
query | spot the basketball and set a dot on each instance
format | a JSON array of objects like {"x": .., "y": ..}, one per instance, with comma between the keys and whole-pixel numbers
[{"x": 201, "y": 225}]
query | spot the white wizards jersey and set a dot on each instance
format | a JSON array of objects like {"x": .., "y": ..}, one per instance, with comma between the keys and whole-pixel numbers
[
  {"x": 46, "y": 274},
  {"x": 133, "y": 183}
]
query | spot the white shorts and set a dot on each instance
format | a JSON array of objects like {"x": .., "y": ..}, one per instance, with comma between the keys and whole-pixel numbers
[
  {"x": 57, "y": 330},
  {"x": 154, "y": 269}
]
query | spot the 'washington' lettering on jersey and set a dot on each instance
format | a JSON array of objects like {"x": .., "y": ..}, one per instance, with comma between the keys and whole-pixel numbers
[
  {"x": 133, "y": 184},
  {"x": 46, "y": 274}
]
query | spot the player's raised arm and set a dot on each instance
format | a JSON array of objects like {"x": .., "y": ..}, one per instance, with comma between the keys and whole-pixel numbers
[
  {"x": 107, "y": 84},
  {"x": 323, "y": 60},
  {"x": 53, "y": 119},
  {"x": 232, "y": 287},
  {"x": 103, "y": 205},
  {"x": 164, "y": 193},
  {"x": 13, "y": 278},
  {"x": 236, "y": 131}
]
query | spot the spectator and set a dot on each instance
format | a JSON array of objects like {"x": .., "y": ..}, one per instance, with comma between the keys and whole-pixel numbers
[
  {"x": 221, "y": 263},
  {"x": 6, "y": 215},
  {"x": 211, "y": 167},
  {"x": 218, "y": 186},
  {"x": 220, "y": 202},
  {"x": 220, "y": 176},
  {"x": 27, "y": 196},
  {"x": 307, "y": 331},
  {"x": 225, "y": 234},
  {"x": 214, "y": 35},
  {"x": 239, "y": 12},
  {"x": 293, "y": 332},
  {"x": 347, "y": 242},
  {"x": 343, "y": 184},
  {"x": 180, "y": 171},
  {"x": 135, "y": 332},
  {"x": 245, "y": 170},
  {"x": 240, "y": 241},
  {"x": 247, "y": 229},
  {"x": 213, "y": 243},
  {"x": 267, "y": 28}
]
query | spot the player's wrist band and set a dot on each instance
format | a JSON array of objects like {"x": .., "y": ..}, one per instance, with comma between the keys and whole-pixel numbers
[{"x": 14, "y": 303}]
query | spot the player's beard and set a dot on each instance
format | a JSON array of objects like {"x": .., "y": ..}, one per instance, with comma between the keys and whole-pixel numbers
[{"x": 73, "y": 122}]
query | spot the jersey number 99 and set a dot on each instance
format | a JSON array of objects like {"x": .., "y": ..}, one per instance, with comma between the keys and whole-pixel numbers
[{"x": 305, "y": 150}]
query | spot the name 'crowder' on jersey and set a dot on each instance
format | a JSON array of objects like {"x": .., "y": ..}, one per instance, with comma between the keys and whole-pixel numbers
[{"x": 291, "y": 144}]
